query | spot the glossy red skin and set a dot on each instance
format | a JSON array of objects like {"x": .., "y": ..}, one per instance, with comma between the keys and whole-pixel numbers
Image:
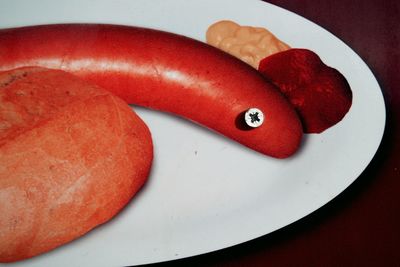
[{"x": 162, "y": 71}]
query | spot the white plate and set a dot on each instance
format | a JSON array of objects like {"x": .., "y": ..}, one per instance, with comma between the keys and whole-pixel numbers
[{"x": 206, "y": 192}]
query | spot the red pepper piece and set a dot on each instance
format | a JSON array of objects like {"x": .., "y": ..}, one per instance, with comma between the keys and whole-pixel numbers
[{"x": 320, "y": 94}]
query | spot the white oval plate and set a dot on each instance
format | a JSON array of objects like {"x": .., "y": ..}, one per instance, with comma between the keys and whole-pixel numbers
[{"x": 205, "y": 192}]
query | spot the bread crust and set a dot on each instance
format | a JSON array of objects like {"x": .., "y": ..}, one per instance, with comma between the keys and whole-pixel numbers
[{"x": 67, "y": 164}]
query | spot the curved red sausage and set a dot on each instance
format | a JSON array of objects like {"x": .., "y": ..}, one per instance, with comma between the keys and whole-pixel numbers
[{"x": 162, "y": 71}]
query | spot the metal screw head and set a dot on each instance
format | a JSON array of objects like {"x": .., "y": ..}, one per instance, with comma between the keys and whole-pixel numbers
[{"x": 254, "y": 117}]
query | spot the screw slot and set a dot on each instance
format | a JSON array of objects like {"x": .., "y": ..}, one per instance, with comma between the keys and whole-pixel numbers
[{"x": 254, "y": 117}]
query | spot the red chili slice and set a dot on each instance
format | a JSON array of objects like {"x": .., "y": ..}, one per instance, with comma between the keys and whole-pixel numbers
[{"x": 320, "y": 94}]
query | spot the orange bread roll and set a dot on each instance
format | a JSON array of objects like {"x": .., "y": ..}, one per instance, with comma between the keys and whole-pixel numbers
[{"x": 71, "y": 157}]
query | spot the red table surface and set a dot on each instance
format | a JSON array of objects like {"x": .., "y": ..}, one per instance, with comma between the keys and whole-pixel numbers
[{"x": 360, "y": 227}]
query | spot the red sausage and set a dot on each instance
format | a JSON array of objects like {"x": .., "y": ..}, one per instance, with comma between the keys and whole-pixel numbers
[{"x": 162, "y": 71}]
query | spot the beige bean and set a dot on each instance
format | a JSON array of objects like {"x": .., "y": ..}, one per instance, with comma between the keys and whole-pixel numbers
[{"x": 250, "y": 44}]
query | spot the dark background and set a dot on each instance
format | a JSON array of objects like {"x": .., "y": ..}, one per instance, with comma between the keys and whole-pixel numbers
[{"x": 361, "y": 226}]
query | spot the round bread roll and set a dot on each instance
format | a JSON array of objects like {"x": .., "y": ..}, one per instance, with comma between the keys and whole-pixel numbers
[{"x": 71, "y": 157}]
